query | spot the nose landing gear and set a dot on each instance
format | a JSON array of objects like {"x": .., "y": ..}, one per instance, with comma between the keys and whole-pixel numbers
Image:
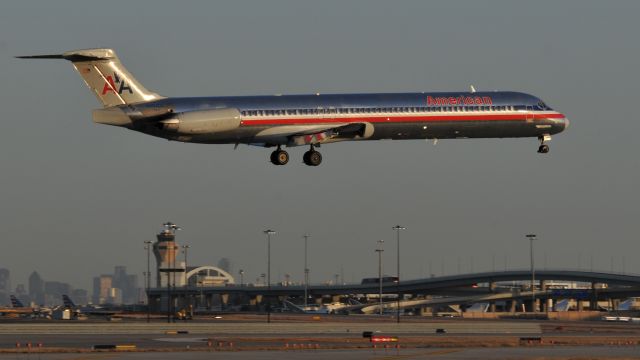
[{"x": 543, "y": 148}]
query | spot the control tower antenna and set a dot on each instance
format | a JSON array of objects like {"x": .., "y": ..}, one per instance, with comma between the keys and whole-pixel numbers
[{"x": 171, "y": 227}]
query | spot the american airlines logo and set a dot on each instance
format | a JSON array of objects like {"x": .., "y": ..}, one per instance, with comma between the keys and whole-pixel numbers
[
  {"x": 459, "y": 100},
  {"x": 111, "y": 83}
]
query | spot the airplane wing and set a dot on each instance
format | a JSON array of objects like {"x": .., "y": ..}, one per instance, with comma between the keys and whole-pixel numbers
[{"x": 296, "y": 135}]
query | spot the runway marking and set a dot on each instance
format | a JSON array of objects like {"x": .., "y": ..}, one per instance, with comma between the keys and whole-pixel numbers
[
  {"x": 178, "y": 340},
  {"x": 418, "y": 355},
  {"x": 94, "y": 356}
]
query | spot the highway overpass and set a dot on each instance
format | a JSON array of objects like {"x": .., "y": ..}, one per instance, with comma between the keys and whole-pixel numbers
[{"x": 442, "y": 285}]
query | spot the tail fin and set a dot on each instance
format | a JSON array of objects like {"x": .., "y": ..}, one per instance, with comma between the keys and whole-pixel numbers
[
  {"x": 15, "y": 302},
  {"x": 104, "y": 74},
  {"x": 68, "y": 303}
]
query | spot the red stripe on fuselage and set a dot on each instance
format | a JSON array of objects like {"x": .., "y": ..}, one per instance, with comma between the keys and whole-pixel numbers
[{"x": 399, "y": 119}]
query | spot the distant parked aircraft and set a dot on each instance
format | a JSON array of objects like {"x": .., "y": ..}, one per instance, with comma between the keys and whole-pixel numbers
[
  {"x": 86, "y": 310},
  {"x": 19, "y": 309},
  {"x": 331, "y": 308}
]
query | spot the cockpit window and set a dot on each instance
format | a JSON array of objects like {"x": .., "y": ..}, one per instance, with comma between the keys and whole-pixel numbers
[{"x": 542, "y": 106}]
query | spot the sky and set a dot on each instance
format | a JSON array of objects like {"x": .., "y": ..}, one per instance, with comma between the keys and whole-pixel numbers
[{"x": 78, "y": 198}]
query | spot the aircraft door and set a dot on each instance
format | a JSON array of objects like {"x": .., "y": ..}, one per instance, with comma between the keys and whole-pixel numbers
[{"x": 529, "y": 113}]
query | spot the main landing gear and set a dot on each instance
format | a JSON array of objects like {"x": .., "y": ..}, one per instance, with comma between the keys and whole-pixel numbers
[
  {"x": 279, "y": 157},
  {"x": 312, "y": 157},
  {"x": 544, "y": 148}
]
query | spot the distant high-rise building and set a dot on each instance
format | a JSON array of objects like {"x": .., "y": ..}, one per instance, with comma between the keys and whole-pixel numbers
[
  {"x": 225, "y": 264},
  {"x": 21, "y": 292},
  {"x": 115, "y": 296},
  {"x": 80, "y": 296},
  {"x": 53, "y": 291},
  {"x": 127, "y": 283},
  {"x": 119, "y": 276},
  {"x": 36, "y": 288},
  {"x": 130, "y": 292},
  {"x": 5, "y": 285},
  {"x": 101, "y": 287}
]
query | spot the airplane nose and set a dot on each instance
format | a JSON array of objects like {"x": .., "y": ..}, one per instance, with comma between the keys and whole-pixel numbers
[{"x": 566, "y": 123}]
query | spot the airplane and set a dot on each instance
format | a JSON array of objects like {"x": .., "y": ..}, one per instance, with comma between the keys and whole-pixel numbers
[
  {"x": 332, "y": 308},
  {"x": 308, "y": 120},
  {"x": 79, "y": 311},
  {"x": 15, "y": 302},
  {"x": 19, "y": 309}
]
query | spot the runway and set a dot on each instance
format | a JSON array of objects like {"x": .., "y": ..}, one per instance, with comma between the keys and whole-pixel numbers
[
  {"x": 282, "y": 328},
  {"x": 599, "y": 352},
  {"x": 261, "y": 335},
  {"x": 301, "y": 337}
]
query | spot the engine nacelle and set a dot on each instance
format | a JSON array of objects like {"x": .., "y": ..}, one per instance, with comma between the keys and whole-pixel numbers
[{"x": 203, "y": 121}]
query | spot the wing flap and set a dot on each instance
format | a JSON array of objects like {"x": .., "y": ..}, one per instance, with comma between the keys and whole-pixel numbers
[{"x": 296, "y": 135}]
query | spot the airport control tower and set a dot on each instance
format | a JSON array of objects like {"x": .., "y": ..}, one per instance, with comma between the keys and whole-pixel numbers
[{"x": 166, "y": 250}]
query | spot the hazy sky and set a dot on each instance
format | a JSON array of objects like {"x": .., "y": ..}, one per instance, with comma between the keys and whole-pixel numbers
[{"x": 78, "y": 198}]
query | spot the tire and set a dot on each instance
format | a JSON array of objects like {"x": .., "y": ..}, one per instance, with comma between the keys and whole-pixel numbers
[
  {"x": 305, "y": 158},
  {"x": 543, "y": 149},
  {"x": 315, "y": 158},
  {"x": 282, "y": 157}
]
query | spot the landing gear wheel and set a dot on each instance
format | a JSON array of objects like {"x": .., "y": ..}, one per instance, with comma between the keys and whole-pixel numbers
[
  {"x": 543, "y": 149},
  {"x": 312, "y": 158},
  {"x": 279, "y": 157}
]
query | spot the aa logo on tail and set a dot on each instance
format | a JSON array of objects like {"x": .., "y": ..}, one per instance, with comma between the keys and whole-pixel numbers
[{"x": 110, "y": 85}]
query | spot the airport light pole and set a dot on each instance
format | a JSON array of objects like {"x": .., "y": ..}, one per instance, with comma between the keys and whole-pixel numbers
[
  {"x": 185, "y": 249},
  {"x": 168, "y": 296},
  {"x": 173, "y": 282},
  {"x": 531, "y": 238},
  {"x": 241, "y": 272},
  {"x": 397, "y": 228},
  {"x": 306, "y": 270},
  {"x": 379, "y": 250},
  {"x": 147, "y": 246},
  {"x": 200, "y": 283},
  {"x": 269, "y": 232}
]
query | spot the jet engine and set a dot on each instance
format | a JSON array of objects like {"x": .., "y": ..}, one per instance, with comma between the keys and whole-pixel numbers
[{"x": 203, "y": 121}]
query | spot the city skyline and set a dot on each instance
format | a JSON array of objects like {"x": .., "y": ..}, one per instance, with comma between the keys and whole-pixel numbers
[
  {"x": 445, "y": 266},
  {"x": 122, "y": 288}
]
